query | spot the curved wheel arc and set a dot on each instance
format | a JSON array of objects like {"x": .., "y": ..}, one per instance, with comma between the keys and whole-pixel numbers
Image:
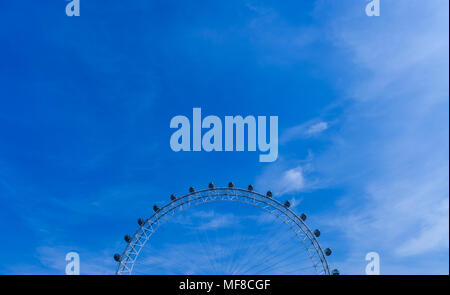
[{"x": 266, "y": 202}]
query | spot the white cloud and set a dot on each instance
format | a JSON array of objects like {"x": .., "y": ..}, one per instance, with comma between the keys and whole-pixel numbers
[
  {"x": 433, "y": 234},
  {"x": 53, "y": 259},
  {"x": 216, "y": 221},
  {"x": 271, "y": 250},
  {"x": 392, "y": 150},
  {"x": 282, "y": 180},
  {"x": 292, "y": 180},
  {"x": 206, "y": 220},
  {"x": 317, "y": 128},
  {"x": 305, "y": 130}
]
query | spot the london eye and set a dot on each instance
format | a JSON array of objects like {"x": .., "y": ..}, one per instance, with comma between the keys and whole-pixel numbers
[{"x": 304, "y": 240}]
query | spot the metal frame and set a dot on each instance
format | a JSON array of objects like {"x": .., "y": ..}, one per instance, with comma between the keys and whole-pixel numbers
[{"x": 268, "y": 204}]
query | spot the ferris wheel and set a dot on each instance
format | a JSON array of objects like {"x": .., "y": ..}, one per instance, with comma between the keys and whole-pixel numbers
[{"x": 283, "y": 212}]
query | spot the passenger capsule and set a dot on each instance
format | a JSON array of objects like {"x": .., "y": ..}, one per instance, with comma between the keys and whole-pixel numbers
[
  {"x": 155, "y": 208},
  {"x": 250, "y": 187},
  {"x": 117, "y": 257},
  {"x": 127, "y": 238},
  {"x": 191, "y": 190},
  {"x": 230, "y": 185},
  {"x": 328, "y": 251},
  {"x": 303, "y": 216},
  {"x": 317, "y": 233},
  {"x": 211, "y": 185},
  {"x": 269, "y": 194},
  {"x": 335, "y": 272},
  {"x": 287, "y": 204},
  {"x": 173, "y": 197},
  {"x": 141, "y": 222}
]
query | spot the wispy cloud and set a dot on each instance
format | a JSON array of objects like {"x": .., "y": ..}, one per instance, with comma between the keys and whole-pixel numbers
[
  {"x": 304, "y": 130},
  {"x": 395, "y": 138},
  {"x": 273, "y": 250},
  {"x": 317, "y": 128},
  {"x": 207, "y": 220},
  {"x": 287, "y": 177},
  {"x": 52, "y": 261},
  {"x": 217, "y": 221},
  {"x": 432, "y": 235},
  {"x": 292, "y": 180}
]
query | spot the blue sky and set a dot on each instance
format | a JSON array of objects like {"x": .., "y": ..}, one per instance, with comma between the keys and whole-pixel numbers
[{"x": 362, "y": 102}]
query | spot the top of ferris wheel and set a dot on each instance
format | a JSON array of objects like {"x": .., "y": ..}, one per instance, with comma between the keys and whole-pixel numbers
[{"x": 211, "y": 186}]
